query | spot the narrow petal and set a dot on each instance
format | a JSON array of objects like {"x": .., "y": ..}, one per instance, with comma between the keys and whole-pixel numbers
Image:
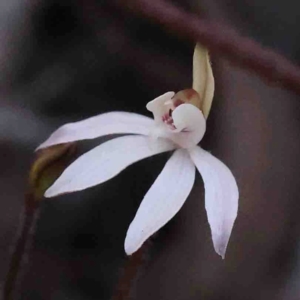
[
  {"x": 104, "y": 124},
  {"x": 106, "y": 161},
  {"x": 190, "y": 126},
  {"x": 221, "y": 196},
  {"x": 158, "y": 107},
  {"x": 203, "y": 79},
  {"x": 164, "y": 199}
]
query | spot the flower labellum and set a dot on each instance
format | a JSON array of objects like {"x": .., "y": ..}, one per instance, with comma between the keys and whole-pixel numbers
[{"x": 179, "y": 125}]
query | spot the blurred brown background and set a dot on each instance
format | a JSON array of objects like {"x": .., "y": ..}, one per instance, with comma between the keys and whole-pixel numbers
[{"x": 64, "y": 61}]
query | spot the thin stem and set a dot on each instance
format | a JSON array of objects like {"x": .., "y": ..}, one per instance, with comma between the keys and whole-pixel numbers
[
  {"x": 31, "y": 211},
  {"x": 47, "y": 166},
  {"x": 131, "y": 271}
]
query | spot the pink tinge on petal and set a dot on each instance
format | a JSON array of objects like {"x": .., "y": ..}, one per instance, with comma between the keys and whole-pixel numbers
[
  {"x": 158, "y": 107},
  {"x": 167, "y": 117},
  {"x": 186, "y": 126},
  {"x": 168, "y": 120}
]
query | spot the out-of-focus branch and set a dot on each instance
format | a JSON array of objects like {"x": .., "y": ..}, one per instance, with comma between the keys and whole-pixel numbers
[{"x": 220, "y": 39}]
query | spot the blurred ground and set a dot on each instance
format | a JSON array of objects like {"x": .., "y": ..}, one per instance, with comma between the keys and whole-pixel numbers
[{"x": 61, "y": 62}]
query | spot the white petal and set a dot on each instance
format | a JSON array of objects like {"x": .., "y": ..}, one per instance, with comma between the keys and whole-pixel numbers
[
  {"x": 158, "y": 107},
  {"x": 106, "y": 161},
  {"x": 190, "y": 126},
  {"x": 221, "y": 196},
  {"x": 164, "y": 199},
  {"x": 104, "y": 124},
  {"x": 203, "y": 79}
]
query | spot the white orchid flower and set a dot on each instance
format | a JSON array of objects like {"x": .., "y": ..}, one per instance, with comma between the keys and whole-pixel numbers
[{"x": 178, "y": 125}]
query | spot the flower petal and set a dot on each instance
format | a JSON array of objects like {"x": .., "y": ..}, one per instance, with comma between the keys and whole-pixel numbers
[
  {"x": 106, "y": 161},
  {"x": 158, "y": 107},
  {"x": 163, "y": 200},
  {"x": 190, "y": 126},
  {"x": 221, "y": 196},
  {"x": 104, "y": 124},
  {"x": 203, "y": 79}
]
